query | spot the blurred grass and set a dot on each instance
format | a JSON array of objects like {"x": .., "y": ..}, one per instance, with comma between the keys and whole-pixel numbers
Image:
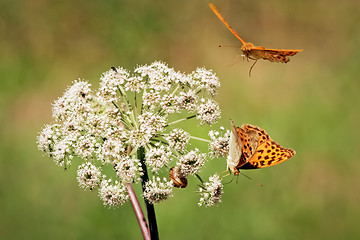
[{"x": 310, "y": 104}]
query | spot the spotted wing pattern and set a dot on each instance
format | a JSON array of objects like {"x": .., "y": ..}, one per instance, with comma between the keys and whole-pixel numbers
[{"x": 267, "y": 153}]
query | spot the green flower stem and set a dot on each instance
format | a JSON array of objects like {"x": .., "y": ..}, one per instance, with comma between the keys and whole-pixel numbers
[
  {"x": 180, "y": 120},
  {"x": 138, "y": 212},
  {"x": 149, "y": 207},
  {"x": 200, "y": 139}
]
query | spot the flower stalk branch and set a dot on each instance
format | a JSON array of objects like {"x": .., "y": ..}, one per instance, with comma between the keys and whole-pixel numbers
[
  {"x": 138, "y": 212},
  {"x": 149, "y": 207}
]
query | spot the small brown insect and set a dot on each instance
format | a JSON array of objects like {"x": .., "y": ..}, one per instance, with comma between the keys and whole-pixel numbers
[
  {"x": 257, "y": 52},
  {"x": 178, "y": 180}
]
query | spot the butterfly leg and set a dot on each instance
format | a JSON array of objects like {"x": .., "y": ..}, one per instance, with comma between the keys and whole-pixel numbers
[{"x": 252, "y": 67}]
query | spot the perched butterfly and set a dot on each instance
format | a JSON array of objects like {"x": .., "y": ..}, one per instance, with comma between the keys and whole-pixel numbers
[
  {"x": 257, "y": 52},
  {"x": 178, "y": 180},
  {"x": 250, "y": 147}
]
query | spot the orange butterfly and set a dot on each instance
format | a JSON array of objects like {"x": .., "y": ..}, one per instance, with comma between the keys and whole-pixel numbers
[
  {"x": 250, "y": 147},
  {"x": 254, "y": 53}
]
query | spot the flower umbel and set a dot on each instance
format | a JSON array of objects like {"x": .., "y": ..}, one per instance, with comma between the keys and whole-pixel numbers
[
  {"x": 158, "y": 190},
  {"x": 131, "y": 111},
  {"x": 210, "y": 192}
]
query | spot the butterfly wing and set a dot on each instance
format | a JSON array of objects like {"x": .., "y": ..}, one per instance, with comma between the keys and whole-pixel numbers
[
  {"x": 249, "y": 140},
  {"x": 217, "y": 13},
  {"x": 235, "y": 149},
  {"x": 273, "y": 55},
  {"x": 268, "y": 153}
]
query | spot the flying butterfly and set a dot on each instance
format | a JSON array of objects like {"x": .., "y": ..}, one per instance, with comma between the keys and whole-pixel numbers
[
  {"x": 258, "y": 52},
  {"x": 250, "y": 147}
]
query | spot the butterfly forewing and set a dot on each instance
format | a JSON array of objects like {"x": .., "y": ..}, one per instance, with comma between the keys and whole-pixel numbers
[{"x": 249, "y": 140}]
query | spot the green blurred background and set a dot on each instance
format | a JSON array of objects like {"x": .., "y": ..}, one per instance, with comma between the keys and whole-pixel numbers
[{"x": 310, "y": 104}]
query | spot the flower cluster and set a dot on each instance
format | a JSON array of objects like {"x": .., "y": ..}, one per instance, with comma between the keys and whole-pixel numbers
[
  {"x": 211, "y": 191},
  {"x": 130, "y": 113},
  {"x": 219, "y": 145}
]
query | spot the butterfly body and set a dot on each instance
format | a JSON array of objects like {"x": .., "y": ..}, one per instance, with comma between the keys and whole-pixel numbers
[{"x": 251, "y": 148}]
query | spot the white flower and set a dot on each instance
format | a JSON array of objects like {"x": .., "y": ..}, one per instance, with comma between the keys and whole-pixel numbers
[
  {"x": 178, "y": 139},
  {"x": 191, "y": 163},
  {"x": 157, "y": 191},
  {"x": 74, "y": 102},
  {"x": 112, "y": 195},
  {"x": 159, "y": 75},
  {"x": 128, "y": 168},
  {"x": 134, "y": 84},
  {"x": 219, "y": 145},
  {"x": 49, "y": 135},
  {"x": 110, "y": 81},
  {"x": 156, "y": 158},
  {"x": 187, "y": 100},
  {"x": 168, "y": 104},
  {"x": 210, "y": 192},
  {"x": 151, "y": 98},
  {"x": 111, "y": 150},
  {"x": 88, "y": 176},
  {"x": 208, "y": 112},
  {"x": 85, "y": 146},
  {"x": 151, "y": 121},
  {"x": 208, "y": 80},
  {"x": 140, "y": 137}
]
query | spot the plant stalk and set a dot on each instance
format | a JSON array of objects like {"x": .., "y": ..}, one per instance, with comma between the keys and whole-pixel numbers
[
  {"x": 149, "y": 207},
  {"x": 138, "y": 212}
]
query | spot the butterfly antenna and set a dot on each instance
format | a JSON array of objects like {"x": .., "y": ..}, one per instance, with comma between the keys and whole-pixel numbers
[
  {"x": 230, "y": 46},
  {"x": 252, "y": 67},
  {"x": 246, "y": 176}
]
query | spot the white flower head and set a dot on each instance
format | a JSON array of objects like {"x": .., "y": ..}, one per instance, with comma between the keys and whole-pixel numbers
[
  {"x": 208, "y": 112},
  {"x": 49, "y": 135},
  {"x": 156, "y": 158},
  {"x": 88, "y": 176},
  {"x": 151, "y": 98},
  {"x": 134, "y": 84},
  {"x": 191, "y": 163},
  {"x": 111, "y": 150},
  {"x": 158, "y": 74},
  {"x": 152, "y": 121},
  {"x": 178, "y": 139},
  {"x": 210, "y": 192},
  {"x": 187, "y": 100},
  {"x": 86, "y": 146},
  {"x": 207, "y": 80},
  {"x": 74, "y": 102},
  {"x": 140, "y": 137},
  {"x": 128, "y": 169},
  {"x": 112, "y": 195},
  {"x": 158, "y": 190},
  {"x": 219, "y": 145},
  {"x": 168, "y": 104},
  {"x": 110, "y": 82}
]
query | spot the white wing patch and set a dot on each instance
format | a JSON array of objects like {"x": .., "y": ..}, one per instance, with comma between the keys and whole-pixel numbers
[{"x": 235, "y": 149}]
